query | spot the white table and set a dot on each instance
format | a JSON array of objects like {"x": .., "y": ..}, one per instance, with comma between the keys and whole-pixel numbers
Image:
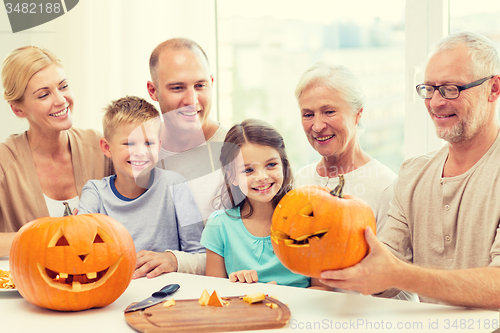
[{"x": 312, "y": 310}]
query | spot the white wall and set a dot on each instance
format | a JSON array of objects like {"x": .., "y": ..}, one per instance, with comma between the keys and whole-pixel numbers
[{"x": 105, "y": 47}]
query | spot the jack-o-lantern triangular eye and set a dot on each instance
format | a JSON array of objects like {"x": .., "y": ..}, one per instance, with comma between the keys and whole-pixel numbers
[
  {"x": 58, "y": 239},
  {"x": 98, "y": 239},
  {"x": 307, "y": 210},
  {"x": 102, "y": 237},
  {"x": 62, "y": 241}
]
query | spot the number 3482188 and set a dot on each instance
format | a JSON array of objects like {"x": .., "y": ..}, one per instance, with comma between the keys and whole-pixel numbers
[{"x": 33, "y": 8}]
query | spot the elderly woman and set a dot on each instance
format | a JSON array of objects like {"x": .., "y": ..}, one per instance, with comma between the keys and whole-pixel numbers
[
  {"x": 331, "y": 104},
  {"x": 51, "y": 161},
  {"x": 331, "y": 100}
]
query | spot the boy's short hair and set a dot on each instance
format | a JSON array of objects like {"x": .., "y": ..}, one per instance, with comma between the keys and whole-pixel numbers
[{"x": 129, "y": 109}]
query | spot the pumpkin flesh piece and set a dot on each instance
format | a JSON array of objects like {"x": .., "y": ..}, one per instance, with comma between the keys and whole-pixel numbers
[
  {"x": 215, "y": 300},
  {"x": 205, "y": 297},
  {"x": 254, "y": 298}
]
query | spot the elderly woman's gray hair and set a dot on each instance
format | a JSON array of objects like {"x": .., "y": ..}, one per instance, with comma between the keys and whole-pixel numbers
[{"x": 335, "y": 77}]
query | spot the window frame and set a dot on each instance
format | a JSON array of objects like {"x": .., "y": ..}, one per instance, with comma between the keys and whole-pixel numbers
[{"x": 426, "y": 22}]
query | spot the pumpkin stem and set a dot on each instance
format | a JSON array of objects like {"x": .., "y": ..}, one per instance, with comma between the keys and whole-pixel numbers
[
  {"x": 67, "y": 210},
  {"x": 338, "y": 190}
]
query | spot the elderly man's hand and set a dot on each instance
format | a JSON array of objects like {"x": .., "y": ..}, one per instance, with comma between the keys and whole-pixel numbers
[
  {"x": 152, "y": 264},
  {"x": 374, "y": 274}
]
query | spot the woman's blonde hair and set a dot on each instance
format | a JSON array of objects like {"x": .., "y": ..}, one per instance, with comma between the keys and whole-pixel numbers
[{"x": 20, "y": 66}]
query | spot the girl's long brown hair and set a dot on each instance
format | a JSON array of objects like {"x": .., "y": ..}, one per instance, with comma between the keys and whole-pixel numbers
[{"x": 256, "y": 132}]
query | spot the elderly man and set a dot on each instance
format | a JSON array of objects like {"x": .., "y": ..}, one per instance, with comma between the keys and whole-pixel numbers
[
  {"x": 442, "y": 232},
  {"x": 182, "y": 85}
]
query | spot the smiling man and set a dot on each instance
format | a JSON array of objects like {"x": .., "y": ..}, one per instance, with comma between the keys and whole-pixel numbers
[
  {"x": 191, "y": 141},
  {"x": 182, "y": 85},
  {"x": 442, "y": 232}
]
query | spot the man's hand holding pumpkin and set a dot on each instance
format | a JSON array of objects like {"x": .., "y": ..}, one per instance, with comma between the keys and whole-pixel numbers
[
  {"x": 377, "y": 272},
  {"x": 152, "y": 264}
]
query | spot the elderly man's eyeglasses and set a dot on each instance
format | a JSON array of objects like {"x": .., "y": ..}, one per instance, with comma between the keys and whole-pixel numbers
[{"x": 448, "y": 91}]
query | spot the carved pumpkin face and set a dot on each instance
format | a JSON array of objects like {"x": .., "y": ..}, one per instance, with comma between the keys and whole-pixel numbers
[
  {"x": 72, "y": 263},
  {"x": 314, "y": 230}
]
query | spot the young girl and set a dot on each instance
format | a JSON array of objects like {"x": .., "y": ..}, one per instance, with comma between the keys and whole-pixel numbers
[{"x": 257, "y": 175}]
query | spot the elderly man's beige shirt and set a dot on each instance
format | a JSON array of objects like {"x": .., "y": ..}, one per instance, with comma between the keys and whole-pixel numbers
[{"x": 446, "y": 223}]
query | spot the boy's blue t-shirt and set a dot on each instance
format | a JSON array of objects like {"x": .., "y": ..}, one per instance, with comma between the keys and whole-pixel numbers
[
  {"x": 165, "y": 217},
  {"x": 227, "y": 236}
]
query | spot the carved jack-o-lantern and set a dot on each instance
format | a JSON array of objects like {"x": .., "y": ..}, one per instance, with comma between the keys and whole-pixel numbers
[
  {"x": 314, "y": 230},
  {"x": 72, "y": 263}
]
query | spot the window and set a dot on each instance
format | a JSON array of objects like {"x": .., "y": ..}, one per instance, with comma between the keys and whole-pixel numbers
[
  {"x": 479, "y": 16},
  {"x": 427, "y": 21},
  {"x": 264, "y": 49}
]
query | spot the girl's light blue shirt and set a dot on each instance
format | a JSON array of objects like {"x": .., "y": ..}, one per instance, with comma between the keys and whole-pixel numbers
[{"x": 226, "y": 235}]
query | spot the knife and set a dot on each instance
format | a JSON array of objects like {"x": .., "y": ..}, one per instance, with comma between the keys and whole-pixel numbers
[{"x": 156, "y": 297}]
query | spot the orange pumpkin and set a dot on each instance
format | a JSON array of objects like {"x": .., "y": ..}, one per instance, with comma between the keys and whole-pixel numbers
[
  {"x": 314, "y": 230},
  {"x": 72, "y": 263}
]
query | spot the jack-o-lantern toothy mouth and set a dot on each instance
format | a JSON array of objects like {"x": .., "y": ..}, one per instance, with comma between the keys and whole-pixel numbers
[
  {"x": 69, "y": 279},
  {"x": 302, "y": 241},
  {"x": 77, "y": 282}
]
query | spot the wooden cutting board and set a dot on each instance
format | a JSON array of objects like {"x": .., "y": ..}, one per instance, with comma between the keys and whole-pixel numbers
[{"x": 189, "y": 316}]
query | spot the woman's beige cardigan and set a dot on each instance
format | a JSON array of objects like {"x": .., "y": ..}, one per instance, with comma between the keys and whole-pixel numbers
[{"x": 21, "y": 197}]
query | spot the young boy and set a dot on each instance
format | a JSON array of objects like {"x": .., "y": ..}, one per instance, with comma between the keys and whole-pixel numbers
[{"x": 156, "y": 206}]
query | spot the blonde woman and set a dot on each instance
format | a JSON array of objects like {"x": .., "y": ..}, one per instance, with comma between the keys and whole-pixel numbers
[{"x": 51, "y": 161}]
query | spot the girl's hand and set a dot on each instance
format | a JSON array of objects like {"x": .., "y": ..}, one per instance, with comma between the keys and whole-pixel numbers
[{"x": 244, "y": 276}]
